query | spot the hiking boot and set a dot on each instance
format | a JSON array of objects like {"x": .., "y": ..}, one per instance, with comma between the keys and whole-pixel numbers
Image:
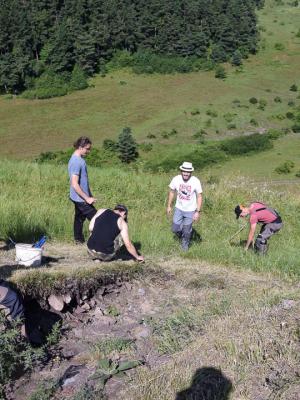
[{"x": 184, "y": 247}]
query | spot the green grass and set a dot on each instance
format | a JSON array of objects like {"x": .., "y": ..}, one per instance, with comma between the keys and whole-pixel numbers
[
  {"x": 154, "y": 104},
  {"x": 106, "y": 346},
  {"x": 35, "y": 201},
  {"x": 261, "y": 166}
]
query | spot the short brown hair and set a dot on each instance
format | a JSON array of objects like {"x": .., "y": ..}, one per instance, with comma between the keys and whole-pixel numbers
[{"x": 82, "y": 142}]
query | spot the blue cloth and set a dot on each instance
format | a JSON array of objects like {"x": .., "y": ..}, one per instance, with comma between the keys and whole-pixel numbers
[{"x": 77, "y": 166}]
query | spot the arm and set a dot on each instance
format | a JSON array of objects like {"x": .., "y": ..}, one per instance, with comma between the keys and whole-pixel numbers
[
  {"x": 199, "y": 204},
  {"x": 170, "y": 201},
  {"x": 250, "y": 235},
  {"x": 92, "y": 223},
  {"x": 129, "y": 246},
  {"x": 79, "y": 191}
]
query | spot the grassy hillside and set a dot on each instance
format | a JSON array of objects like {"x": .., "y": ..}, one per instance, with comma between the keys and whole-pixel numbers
[
  {"x": 154, "y": 104},
  {"x": 35, "y": 201}
]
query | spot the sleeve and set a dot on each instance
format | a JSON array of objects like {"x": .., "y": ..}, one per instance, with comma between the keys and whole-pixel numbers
[
  {"x": 198, "y": 187},
  {"x": 75, "y": 168},
  {"x": 173, "y": 184}
]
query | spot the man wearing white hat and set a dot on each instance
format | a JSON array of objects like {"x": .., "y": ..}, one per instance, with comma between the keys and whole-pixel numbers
[{"x": 188, "y": 192}]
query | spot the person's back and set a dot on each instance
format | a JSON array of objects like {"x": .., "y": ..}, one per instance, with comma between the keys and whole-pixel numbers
[
  {"x": 104, "y": 233},
  {"x": 259, "y": 212}
]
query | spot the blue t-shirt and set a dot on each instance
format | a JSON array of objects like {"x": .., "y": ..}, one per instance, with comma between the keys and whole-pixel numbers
[{"x": 77, "y": 166}]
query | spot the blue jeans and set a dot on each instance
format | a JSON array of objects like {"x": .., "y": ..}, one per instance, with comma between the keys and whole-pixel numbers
[{"x": 182, "y": 226}]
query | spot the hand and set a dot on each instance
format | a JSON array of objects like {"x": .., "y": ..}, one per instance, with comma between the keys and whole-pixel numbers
[
  {"x": 196, "y": 216},
  {"x": 90, "y": 200},
  {"x": 169, "y": 210},
  {"x": 140, "y": 258}
]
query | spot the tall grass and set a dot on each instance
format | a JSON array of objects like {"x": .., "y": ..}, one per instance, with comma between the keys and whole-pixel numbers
[{"x": 34, "y": 201}]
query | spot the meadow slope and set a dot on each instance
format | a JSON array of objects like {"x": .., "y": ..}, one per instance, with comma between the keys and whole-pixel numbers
[{"x": 152, "y": 104}]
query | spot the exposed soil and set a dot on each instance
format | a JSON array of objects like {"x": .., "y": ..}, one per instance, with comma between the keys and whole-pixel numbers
[{"x": 135, "y": 310}]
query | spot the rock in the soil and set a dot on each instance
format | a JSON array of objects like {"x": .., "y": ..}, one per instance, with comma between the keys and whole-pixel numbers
[
  {"x": 287, "y": 304},
  {"x": 106, "y": 320},
  {"x": 79, "y": 310},
  {"x": 69, "y": 376},
  {"x": 128, "y": 286},
  {"x": 141, "y": 332},
  {"x": 128, "y": 321},
  {"x": 98, "y": 312},
  {"x": 119, "y": 282},
  {"x": 86, "y": 307},
  {"x": 69, "y": 353},
  {"x": 141, "y": 291},
  {"x": 146, "y": 307},
  {"x": 56, "y": 302},
  {"x": 67, "y": 298},
  {"x": 93, "y": 303},
  {"x": 99, "y": 294}
]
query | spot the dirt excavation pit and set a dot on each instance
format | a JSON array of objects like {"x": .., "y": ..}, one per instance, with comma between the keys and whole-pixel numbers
[
  {"x": 112, "y": 325},
  {"x": 171, "y": 318}
]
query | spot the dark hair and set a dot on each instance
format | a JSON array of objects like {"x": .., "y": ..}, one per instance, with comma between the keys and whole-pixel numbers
[
  {"x": 121, "y": 207},
  {"x": 238, "y": 211},
  {"x": 82, "y": 142}
]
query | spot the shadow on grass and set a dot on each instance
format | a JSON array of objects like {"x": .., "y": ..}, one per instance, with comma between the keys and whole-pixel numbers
[
  {"x": 240, "y": 243},
  {"x": 208, "y": 384},
  {"x": 47, "y": 261},
  {"x": 7, "y": 270},
  {"x": 123, "y": 254}
]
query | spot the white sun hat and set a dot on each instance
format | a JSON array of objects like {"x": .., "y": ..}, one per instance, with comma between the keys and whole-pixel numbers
[{"x": 187, "y": 167}]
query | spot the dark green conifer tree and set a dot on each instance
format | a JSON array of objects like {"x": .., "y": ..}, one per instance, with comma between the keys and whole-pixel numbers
[
  {"x": 127, "y": 147},
  {"x": 237, "y": 59}
]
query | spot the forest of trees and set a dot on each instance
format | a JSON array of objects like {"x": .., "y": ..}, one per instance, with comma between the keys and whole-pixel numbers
[{"x": 54, "y": 37}]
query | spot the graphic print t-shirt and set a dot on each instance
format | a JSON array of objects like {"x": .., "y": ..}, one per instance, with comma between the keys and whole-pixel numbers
[{"x": 186, "y": 192}]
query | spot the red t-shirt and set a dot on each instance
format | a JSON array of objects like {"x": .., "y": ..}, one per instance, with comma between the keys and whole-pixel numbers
[{"x": 264, "y": 216}]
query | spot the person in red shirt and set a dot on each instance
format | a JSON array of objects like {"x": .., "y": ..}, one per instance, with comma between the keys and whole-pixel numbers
[{"x": 260, "y": 214}]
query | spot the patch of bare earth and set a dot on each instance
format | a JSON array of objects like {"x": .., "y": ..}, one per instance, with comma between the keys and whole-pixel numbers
[{"x": 198, "y": 332}]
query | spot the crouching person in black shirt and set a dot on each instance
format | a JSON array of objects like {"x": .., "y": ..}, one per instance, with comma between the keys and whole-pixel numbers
[
  {"x": 109, "y": 231},
  {"x": 11, "y": 304}
]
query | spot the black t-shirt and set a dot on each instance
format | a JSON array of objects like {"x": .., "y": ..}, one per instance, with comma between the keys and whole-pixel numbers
[{"x": 104, "y": 233}]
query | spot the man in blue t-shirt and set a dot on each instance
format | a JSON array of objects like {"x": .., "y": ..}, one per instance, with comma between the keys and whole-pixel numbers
[{"x": 80, "y": 193}]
